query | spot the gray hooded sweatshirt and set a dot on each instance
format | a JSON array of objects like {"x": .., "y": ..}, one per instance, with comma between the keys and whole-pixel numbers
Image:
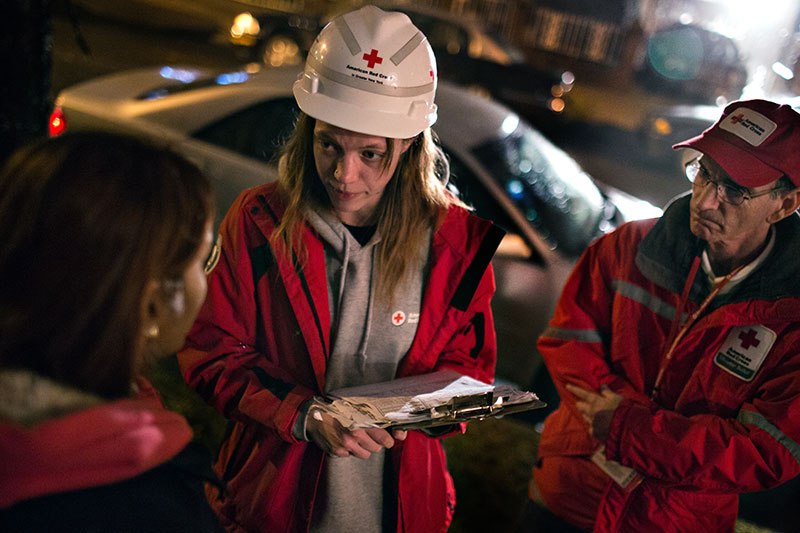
[{"x": 368, "y": 340}]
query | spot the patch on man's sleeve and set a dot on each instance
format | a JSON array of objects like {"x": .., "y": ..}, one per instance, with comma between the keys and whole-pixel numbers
[{"x": 744, "y": 350}]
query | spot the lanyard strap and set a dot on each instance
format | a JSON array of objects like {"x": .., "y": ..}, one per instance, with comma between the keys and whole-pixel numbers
[{"x": 676, "y": 333}]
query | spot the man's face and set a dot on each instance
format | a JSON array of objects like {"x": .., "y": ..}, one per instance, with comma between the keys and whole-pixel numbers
[{"x": 725, "y": 226}]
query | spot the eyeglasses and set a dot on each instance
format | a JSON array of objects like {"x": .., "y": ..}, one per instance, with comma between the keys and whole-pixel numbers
[{"x": 699, "y": 175}]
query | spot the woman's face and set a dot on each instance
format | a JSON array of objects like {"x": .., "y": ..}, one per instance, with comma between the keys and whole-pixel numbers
[
  {"x": 353, "y": 170},
  {"x": 177, "y": 305}
]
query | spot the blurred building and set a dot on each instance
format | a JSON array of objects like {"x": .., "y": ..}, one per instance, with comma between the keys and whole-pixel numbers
[{"x": 607, "y": 42}]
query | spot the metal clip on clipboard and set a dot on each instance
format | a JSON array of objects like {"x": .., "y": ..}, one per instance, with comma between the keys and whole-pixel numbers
[{"x": 472, "y": 407}]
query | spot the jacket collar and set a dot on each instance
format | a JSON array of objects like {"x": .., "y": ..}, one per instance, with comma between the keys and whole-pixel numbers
[{"x": 28, "y": 399}]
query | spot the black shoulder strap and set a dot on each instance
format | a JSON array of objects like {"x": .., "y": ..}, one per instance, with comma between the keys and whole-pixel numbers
[{"x": 472, "y": 276}]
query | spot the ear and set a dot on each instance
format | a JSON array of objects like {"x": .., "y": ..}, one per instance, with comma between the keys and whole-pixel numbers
[
  {"x": 151, "y": 306},
  {"x": 789, "y": 202}
]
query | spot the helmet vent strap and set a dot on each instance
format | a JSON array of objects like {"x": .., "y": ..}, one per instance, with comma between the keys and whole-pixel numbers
[
  {"x": 407, "y": 48},
  {"x": 347, "y": 35}
]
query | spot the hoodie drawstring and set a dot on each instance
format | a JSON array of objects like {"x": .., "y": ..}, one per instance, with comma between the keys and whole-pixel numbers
[
  {"x": 361, "y": 354},
  {"x": 361, "y": 357},
  {"x": 343, "y": 277}
]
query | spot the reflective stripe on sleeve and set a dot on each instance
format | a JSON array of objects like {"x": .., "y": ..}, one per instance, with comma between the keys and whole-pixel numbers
[
  {"x": 629, "y": 290},
  {"x": 638, "y": 294},
  {"x": 581, "y": 335},
  {"x": 758, "y": 420}
]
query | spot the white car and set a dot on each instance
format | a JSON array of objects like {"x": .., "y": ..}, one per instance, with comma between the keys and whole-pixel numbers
[{"x": 231, "y": 125}]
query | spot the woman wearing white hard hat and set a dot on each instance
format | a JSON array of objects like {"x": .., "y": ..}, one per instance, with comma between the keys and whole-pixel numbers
[{"x": 356, "y": 267}]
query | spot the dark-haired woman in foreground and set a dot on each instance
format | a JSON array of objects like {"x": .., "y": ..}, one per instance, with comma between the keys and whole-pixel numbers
[{"x": 102, "y": 267}]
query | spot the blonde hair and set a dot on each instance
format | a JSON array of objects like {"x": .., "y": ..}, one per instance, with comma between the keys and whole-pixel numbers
[{"x": 413, "y": 200}]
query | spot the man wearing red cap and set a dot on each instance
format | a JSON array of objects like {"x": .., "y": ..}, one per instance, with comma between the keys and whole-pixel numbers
[{"x": 676, "y": 345}]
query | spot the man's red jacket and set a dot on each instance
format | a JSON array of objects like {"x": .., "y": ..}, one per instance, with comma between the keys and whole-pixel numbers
[{"x": 727, "y": 416}]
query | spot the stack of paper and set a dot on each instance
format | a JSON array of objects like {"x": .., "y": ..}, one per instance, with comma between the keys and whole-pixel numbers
[{"x": 427, "y": 400}]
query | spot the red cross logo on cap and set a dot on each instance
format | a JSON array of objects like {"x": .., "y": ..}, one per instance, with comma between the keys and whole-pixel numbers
[
  {"x": 372, "y": 58},
  {"x": 749, "y": 339},
  {"x": 398, "y": 318},
  {"x": 737, "y": 118}
]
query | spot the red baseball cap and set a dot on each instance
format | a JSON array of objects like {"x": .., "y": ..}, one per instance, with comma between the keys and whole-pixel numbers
[{"x": 754, "y": 141}]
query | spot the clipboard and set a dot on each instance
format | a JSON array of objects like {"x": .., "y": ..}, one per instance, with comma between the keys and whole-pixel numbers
[
  {"x": 425, "y": 401},
  {"x": 470, "y": 408}
]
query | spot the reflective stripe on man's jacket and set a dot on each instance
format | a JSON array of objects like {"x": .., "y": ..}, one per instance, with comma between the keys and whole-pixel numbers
[
  {"x": 727, "y": 416},
  {"x": 258, "y": 351}
]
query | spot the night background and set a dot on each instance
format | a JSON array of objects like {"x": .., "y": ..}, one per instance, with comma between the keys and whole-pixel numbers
[{"x": 612, "y": 82}]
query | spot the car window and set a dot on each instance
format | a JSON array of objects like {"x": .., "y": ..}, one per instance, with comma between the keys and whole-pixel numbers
[
  {"x": 257, "y": 131},
  {"x": 469, "y": 188},
  {"x": 559, "y": 200},
  {"x": 472, "y": 192}
]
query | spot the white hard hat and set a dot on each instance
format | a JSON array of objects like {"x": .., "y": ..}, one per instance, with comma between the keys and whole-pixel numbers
[{"x": 370, "y": 71}]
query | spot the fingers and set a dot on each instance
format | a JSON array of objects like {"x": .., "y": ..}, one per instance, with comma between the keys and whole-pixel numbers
[
  {"x": 583, "y": 394},
  {"x": 608, "y": 396},
  {"x": 584, "y": 398},
  {"x": 364, "y": 442},
  {"x": 381, "y": 437},
  {"x": 337, "y": 441},
  {"x": 587, "y": 402},
  {"x": 590, "y": 398},
  {"x": 399, "y": 434},
  {"x": 608, "y": 399},
  {"x": 596, "y": 409},
  {"x": 339, "y": 452},
  {"x": 326, "y": 433},
  {"x": 361, "y": 443}
]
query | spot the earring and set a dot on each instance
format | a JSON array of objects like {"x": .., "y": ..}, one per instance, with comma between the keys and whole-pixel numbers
[{"x": 151, "y": 332}]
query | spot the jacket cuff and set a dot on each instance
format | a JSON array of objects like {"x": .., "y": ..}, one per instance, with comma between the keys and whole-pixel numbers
[
  {"x": 614, "y": 440},
  {"x": 299, "y": 427},
  {"x": 288, "y": 412}
]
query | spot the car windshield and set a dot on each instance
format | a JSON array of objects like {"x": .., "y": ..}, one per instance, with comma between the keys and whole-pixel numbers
[{"x": 550, "y": 189}]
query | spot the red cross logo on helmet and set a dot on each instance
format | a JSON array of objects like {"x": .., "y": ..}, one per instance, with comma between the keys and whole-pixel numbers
[{"x": 372, "y": 58}]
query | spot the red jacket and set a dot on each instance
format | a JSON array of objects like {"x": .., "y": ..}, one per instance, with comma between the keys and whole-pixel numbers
[
  {"x": 100, "y": 465},
  {"x": 259, "y": 348},
  {"x": 96, "y": 446},
  {"x": 727, "y": 416}
]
